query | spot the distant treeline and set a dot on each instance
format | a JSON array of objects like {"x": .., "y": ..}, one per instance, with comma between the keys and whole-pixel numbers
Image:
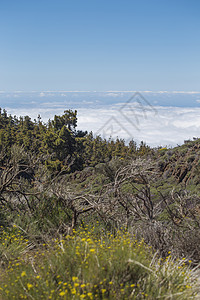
[{"x": 62, "y": 144}]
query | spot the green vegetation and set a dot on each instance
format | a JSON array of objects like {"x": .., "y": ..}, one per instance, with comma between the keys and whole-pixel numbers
[
  {"x": 61, "y": 142},
  {"x": 91, "y": 265},
  {"x": 87, "y": 218}
]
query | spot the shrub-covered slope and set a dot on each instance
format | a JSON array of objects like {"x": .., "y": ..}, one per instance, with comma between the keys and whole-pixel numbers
[{"x": 56, "y": 183}]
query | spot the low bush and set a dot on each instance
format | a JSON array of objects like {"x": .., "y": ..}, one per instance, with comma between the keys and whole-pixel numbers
[{"x": 90, "y": 264}]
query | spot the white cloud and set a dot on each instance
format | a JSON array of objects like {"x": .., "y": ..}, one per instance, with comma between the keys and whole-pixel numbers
[
  {"x": 112, "y": 94},
  {"x": 169, "y": 127},
  {"x": 42, "y": 94},
  {"x": 183, "y": 92}
]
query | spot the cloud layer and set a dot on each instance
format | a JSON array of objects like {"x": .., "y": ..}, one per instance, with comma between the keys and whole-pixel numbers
[
  {"x": 169, "y": 126},
  {"x": 163, "y": 126},
  {"x": 158, "y": 118}
]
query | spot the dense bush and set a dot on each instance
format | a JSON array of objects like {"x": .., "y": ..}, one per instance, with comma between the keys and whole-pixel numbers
[{"x": 91, "y": 265}]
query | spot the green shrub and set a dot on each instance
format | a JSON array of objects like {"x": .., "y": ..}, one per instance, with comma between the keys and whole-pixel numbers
[{"x": 94, "y": 265}]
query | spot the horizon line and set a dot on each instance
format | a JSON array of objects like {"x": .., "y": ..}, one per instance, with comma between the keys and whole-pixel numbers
[{"x": 107, "y": 91}]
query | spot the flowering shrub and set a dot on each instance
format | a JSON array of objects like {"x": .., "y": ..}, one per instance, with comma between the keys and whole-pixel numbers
[{"x": 91, "y": 265}]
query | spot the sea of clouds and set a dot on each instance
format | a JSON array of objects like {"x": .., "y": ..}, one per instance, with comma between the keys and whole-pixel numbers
[{"x": 157, "y": 118}]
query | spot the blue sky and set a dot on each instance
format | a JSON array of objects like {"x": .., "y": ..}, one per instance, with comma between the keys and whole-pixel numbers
[{"x": 99, "y": 45}]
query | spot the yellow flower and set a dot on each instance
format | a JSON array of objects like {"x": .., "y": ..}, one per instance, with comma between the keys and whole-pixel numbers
[
  {"x": 23, "y": 274},
  {"x": 92, "y": 250},
  {"x": 29, "y": 286},
  {"x": 74, "y": 278},
  {"x": 73, "y": 291},
  {"x": 62, "y": 293},
  {"x": 76, "y": 284}
]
